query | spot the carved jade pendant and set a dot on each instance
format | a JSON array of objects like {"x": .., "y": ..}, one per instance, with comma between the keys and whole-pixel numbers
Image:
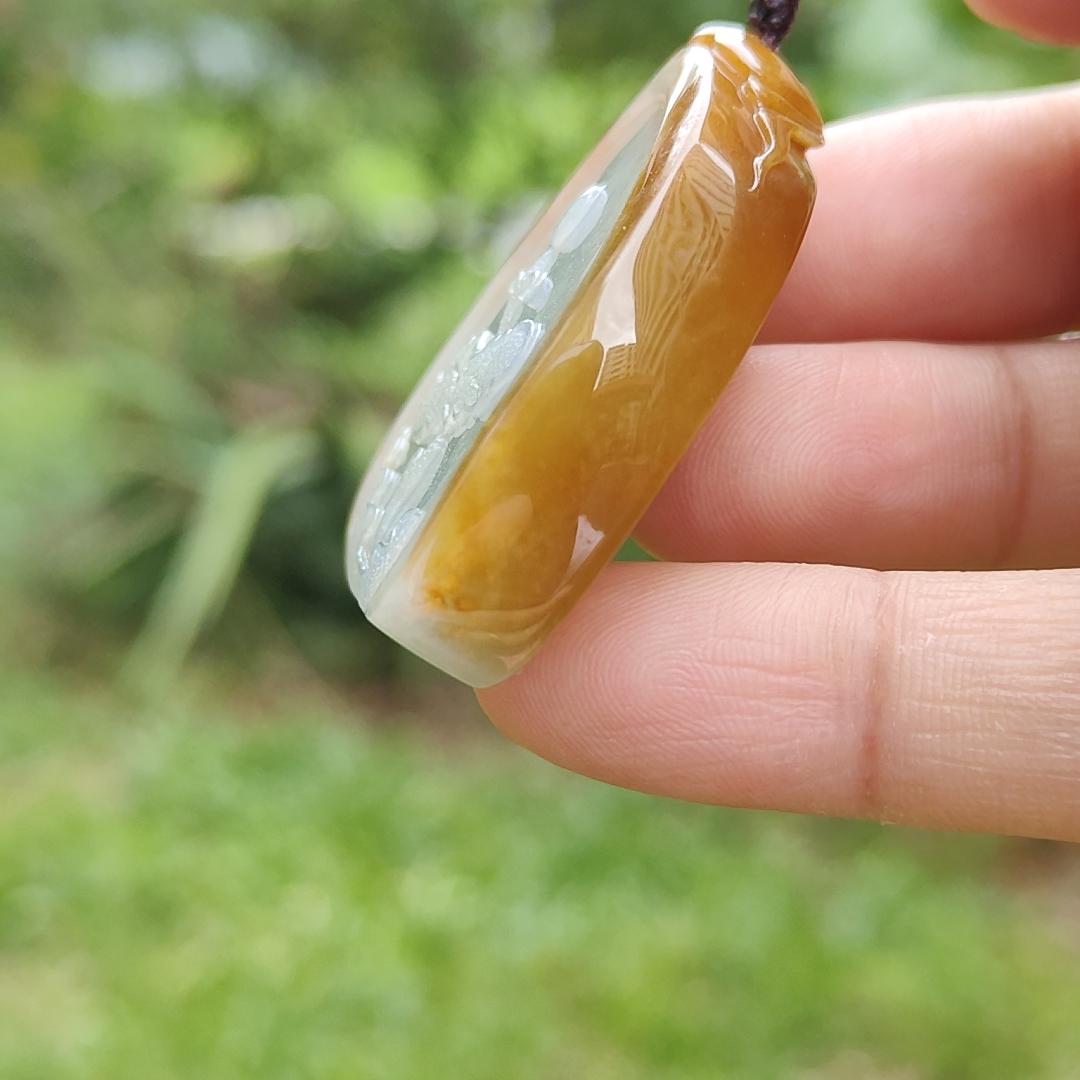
[{"x": 551, "y": 417}]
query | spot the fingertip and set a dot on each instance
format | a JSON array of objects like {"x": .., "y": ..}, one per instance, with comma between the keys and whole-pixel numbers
[
  {"x": 711, "y": 683},
  {"x": 551, "y": 705}
]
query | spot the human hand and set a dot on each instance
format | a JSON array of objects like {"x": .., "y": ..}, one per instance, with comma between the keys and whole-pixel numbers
[{"x": 926, "y": 668}]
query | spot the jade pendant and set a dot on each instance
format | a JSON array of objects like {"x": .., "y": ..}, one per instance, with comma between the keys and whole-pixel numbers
[{"x": 553, "y": 414}]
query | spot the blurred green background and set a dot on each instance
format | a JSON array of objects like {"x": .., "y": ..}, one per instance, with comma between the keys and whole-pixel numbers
[{"x": 241, "y": 835}]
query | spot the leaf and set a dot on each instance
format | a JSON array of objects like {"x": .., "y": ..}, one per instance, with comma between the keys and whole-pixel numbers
[{"x": 208, "y": 558}]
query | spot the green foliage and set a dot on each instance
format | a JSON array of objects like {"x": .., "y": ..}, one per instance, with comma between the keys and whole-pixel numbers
[
  {"x": 219, "y": 220},
  {"x": 298, "y": 897},
  {"x": 213, "y": 546}
]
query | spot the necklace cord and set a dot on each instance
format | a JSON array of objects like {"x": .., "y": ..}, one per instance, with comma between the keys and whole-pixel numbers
[{"x": 771, "y": 20}]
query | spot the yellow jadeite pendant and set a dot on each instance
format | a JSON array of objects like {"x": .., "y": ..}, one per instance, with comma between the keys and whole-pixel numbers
[{"x": 552, "y": 416}]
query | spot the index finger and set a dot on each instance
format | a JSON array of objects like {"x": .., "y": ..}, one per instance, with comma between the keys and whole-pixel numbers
[
  {"x": 956, "y": 221},
  {"x": 1043, "y": 20}
]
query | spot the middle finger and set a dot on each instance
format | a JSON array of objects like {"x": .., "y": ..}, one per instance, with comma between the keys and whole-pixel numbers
[{"x": 884, "y": 454}]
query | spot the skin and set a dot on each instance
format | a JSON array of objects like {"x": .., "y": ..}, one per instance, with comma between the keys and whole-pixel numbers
[{"x": 872, "y": 606}]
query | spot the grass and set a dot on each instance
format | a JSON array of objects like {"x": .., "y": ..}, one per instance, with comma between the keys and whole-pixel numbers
[{"x": 187, "y": 894}]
